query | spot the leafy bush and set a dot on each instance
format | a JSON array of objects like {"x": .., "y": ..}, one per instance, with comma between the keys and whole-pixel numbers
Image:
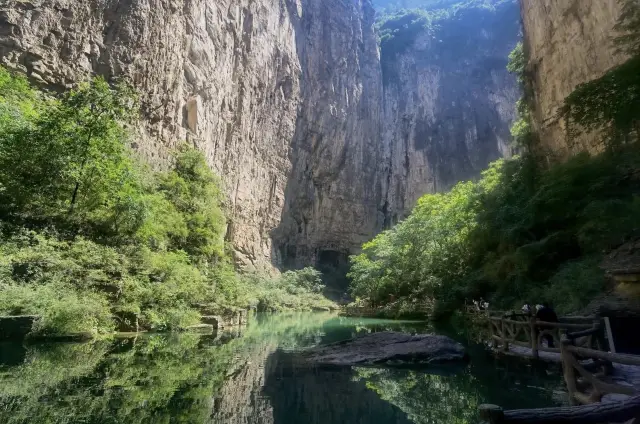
[
  {"x": 90, "y": 236},
  {"x": 63, "y": 310},
  {"x": 519, "y": 234}
]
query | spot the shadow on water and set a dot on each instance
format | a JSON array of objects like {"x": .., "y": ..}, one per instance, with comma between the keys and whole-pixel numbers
[{"x": 253, "y": 378}]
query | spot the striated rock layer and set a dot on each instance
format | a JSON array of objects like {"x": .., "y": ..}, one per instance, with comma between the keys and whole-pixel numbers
[
  {"x": 569, "y": 42},
  {"x": 333, "y": 197},
  {"x": 317, "y": 148}
]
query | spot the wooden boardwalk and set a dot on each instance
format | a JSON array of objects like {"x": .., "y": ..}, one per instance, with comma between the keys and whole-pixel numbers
[
  {"x": 606, "y": 383},
  {"x": 621, "y": 374}
]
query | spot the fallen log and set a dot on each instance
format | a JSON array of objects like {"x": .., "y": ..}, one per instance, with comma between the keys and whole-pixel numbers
[{"x": 609, "y": 412}]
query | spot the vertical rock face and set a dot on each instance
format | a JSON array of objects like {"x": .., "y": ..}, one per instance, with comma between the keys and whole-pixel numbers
[
  {"x": 222, "y": 74},
  {"x": 448, "y": 103},
  {"x": 287, "y": 99},
  {"x": 333, "y": 194},
  {"x": 569, "y": 43}
]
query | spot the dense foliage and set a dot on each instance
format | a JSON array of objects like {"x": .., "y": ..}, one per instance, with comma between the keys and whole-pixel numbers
[
  {"x": 516, "y": 235},
  {"x": 521, "y": 130},
  {"x": 523, "y": 233},
  {"x": 91, "y": 237},
  {"x": 610, "y": 104}
]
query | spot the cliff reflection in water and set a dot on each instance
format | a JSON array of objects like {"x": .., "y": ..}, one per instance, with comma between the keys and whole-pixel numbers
[{"x": 252, "y": 379}]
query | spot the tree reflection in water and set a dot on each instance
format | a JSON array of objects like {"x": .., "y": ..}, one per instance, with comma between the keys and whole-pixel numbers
[{"x": 256, "y": 378}]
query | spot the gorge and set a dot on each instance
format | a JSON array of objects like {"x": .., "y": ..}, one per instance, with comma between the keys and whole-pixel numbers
[{"x": 321, "y": 138}]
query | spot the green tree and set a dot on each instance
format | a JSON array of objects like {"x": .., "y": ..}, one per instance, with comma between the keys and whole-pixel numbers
[
  {"x": 70, "y": 163},
  {"x": 195, "y": 192}
]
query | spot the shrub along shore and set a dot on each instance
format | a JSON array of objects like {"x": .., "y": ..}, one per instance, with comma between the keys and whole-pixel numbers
[{"x": 91, "y": 236}]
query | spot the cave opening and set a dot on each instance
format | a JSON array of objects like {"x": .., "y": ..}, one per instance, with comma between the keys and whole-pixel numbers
[{"x": 334, "y": 266}]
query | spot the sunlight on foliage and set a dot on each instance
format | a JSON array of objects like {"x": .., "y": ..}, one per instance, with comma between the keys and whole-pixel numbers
[
  {"x": 92, "y": 239},
  {"x": 517, "y": 235}
]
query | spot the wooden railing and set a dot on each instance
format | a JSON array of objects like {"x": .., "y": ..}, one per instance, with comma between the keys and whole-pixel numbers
[
  {"x": 613, "y": 412},
  {"x": 526, "y": 331},
  {"x": 587, "y": 373}
]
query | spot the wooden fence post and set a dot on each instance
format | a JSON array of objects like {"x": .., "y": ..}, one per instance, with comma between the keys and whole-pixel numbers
[
  {"x": 567, "y": 369},
  {"x": 492, "y": 328},
  {"x": 607, "y": 326},
  {"x": 534, "y": 337},
  {"x": 503, "y": 330}
]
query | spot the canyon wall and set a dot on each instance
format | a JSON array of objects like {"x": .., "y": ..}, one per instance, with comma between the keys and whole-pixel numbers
[
  {"x": 320, "y": 142},
  {"x": 222, "y": 74},
  {"x": 449, "y": 103},
  {"x": 333, "y": 197},
  {"x": 569, "y": 42}
]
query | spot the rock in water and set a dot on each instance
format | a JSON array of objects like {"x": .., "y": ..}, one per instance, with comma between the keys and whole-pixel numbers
[{"x": 389, "y": 348}]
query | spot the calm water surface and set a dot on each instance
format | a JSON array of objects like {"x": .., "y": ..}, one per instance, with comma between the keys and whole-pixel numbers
[{"x": 252, "y": 378}]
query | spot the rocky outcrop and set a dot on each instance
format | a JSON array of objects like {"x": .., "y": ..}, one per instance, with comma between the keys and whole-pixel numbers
[
  {"x": 388, "y": 348},
  {"x": 287, "y": 101},
  {"x": 568, "y": 43},
  {"x": 448, "y": 104}
]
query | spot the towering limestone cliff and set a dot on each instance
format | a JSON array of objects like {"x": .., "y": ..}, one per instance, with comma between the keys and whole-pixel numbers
[
  {"x": 320, "y": 141},
  {"x": 448, "y": 98},
  {"x": 222, "y": 74},
  {"x": 333, "y": 196},
  {"x": 568, "y": 42}
]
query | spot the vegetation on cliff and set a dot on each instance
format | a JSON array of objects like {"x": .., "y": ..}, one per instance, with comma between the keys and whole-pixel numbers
[
  {"x": 523, "y": 232},
  {"x": 91, "y": 236},
  {"x": 610, "y": 105},
  {"x": 443, "y": 24},
  {"x": 516, "y": 235}
]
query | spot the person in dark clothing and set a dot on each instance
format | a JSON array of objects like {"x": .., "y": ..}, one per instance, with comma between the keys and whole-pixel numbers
[{"x": 547, "y": 314}]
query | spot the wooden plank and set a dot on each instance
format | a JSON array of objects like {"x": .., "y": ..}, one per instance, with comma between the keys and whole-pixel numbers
[
  {"x": 514, "y": 322},
  {"x": 607, "y": 326},
  {"x": 601, "y": 386},
  {"x": 565, "y": 326},
  {"x": 577, "y": 319},
  {"x": 611, "y": 357},
  {"x": 549, "y": 349}
]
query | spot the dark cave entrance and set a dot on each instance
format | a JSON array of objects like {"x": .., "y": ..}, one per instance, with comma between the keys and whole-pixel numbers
[{"x": 334, "y": 266}]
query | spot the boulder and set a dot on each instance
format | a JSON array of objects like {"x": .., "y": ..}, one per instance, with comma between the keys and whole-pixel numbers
[
  {"x": 389, "y": 348},
  {"x": 200, "y": 328}
]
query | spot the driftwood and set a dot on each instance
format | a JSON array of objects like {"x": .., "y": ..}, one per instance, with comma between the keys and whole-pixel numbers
[{"x": 616, "y": 412}]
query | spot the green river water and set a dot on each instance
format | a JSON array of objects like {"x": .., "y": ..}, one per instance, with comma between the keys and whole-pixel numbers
[{"x": 253, "y": 377}]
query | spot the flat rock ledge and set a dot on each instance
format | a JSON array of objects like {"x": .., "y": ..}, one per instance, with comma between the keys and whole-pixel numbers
[{"x": 389, "y": 348}]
